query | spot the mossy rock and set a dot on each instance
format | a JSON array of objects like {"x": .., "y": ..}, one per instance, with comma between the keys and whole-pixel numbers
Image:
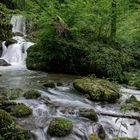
[
  {"x": 125, "y": 139},
  {"x": 3, "y": 92},
  {"x": 32, "y": 94},
  {"x": 88, "y": 113},
  {"x": 60, "y": 127},
  {"x": 6, "y": 122},
  {"x": 20, "y": 110},
  {"x": 97, "y": 89},
  {"x": 101, "y": 132},
  {"x": 131, "y": 104},
  {"x": 13, "y": 94},
  {"x": 10, "y": 42},
  {"x": 93, "y": 137},
  {"x": 4, "y": 104},
  {"x": 59, "y": 84},
  {"x": 18, "y": 34},
  {"x": 4, "y": 63},
  {"x": 8, "y": 130},
  {"x": 20, "y": 134},
  {"x": 50, "y": 84}
]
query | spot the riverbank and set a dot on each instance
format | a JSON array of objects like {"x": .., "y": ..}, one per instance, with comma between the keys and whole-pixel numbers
[{"x": 64, "y": 101}]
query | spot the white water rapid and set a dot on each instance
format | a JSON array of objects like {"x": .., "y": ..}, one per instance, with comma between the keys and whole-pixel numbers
[{"x": 16, "y": 54}]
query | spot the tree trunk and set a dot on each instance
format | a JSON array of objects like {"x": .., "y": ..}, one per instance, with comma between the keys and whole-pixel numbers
[
  {"x": 113, "y": 19},
  {"x": 136, "y": 117}
]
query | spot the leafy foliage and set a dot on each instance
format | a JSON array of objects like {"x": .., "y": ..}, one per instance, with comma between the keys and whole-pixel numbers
[{"x": 81, "y": 35}]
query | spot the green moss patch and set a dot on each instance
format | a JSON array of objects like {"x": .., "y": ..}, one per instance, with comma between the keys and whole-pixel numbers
[
  {"x": 32, "y": 94},
  {"x": 97, "y": 89},
  {"x": 131, "y": 104},
  {"x": 6, "y": 122},
  {"x": 93, "y": 137},
  {"x": 4, "y": 104},
  {"x": 88, "y": 113},
  {"x": 8, "y": 130},
  {"x": 20, "y": 110},
  {"x": 13, "y": 94},
  {"x": 50, "y": 84},
  {"x": 60, "y": 127}
]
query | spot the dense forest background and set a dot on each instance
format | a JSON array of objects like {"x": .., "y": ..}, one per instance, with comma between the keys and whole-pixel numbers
[{"x": 100, "y": 37}]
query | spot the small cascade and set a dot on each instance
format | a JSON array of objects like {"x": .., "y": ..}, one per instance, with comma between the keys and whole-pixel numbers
[
  {"x": 16, "y": 54},
  {"x": 18, "y": 23}
]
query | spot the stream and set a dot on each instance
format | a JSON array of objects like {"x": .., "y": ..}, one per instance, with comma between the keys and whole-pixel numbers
[{"x": 61, "y": 101}]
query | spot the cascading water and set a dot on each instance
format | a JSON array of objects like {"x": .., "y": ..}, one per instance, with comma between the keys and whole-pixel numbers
[
  {"x": 18, "y": 23},
  {"x": 16, "y": 54}
]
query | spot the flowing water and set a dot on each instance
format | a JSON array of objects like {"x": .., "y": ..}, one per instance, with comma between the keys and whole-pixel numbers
[
  {"x": 62, "y": 101},
  {"x": 16, "y": 54}
]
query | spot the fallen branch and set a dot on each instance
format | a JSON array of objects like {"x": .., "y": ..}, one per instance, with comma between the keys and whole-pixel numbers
[{"x": 136, "y": 117}]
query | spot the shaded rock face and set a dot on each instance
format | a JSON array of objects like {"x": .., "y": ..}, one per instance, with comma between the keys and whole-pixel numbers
[
  {"x": 5, "y": 30},
  {"x": 0, "y": 49},
  {"x": 10, "y": 42},
  {"x": 18, "y": 34},
  {"x": 3, "y": 63},
  {"x": 97, "y": 89}
]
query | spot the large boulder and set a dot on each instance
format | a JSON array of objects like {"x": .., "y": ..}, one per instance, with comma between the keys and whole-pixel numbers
[
  {"x": 3, "y": 63},
  {"x": 60, "y": 127},
  {"x": 97, "y": 89}
]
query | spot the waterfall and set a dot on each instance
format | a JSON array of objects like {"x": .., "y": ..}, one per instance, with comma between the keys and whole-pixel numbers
[
  {"x": 16, "y": 54},
  {"x": 18, "y": 23}
]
